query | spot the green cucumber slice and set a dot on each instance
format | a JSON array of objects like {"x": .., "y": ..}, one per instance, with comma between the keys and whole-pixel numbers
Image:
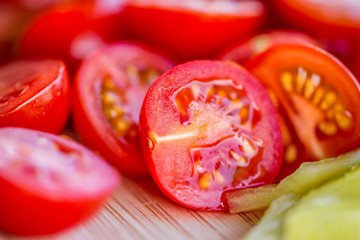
[
  {"x": 330, "y": 212},
  {"x": 308, "y": 176}
]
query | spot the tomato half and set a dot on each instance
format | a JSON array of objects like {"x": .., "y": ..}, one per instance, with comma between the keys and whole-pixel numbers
[
  {"x": 192, "y": 29},
  {"x": 245, "y": 50},
  {"x": 109, "y": 89},
  {"x": 335, "y": 23},
  {"x": 49, "y": 183},
  {"x": 208, "y": 127},
  {"x": 317, "y": 98},
  {"x": 35, "y": 94}
]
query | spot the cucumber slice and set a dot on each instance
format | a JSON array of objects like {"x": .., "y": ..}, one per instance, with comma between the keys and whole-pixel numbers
[
  {"x": 330, "y": 212},
  {"x": 270, "y": 226},
  {"x": 308, "y": 176}
]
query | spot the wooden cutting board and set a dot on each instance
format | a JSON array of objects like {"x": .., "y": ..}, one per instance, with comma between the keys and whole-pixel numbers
[{"x": 138, "y": 210}]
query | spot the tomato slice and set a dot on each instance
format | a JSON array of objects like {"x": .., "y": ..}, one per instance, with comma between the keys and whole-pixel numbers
[
  {"x": 318, "y": 100},
  {"x": 250, "y": 47},
  {"x": 335, "y": 23},
  {"x": 35, "y": 94},
  {"x": 208, "y": 127},
  {"x": 192, "y": 29},
  {"x": 109, "y": 89},
  {"x": 48, "y": 182}
]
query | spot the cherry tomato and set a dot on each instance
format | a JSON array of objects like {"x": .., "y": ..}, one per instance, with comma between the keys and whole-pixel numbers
[
  {"x": 192, "y": 29},
  {"x": 208, "y": 127},
  {"x": 69, "y": 32},
  {"x": 49, "y": 183},
  {"x": 317, "y": 98},
  {"x": 335, "y": 23},
  {"x": 109, "y": 89},
  {"x": 34, "y": 94},
  {"x": 245, "y": 50}
]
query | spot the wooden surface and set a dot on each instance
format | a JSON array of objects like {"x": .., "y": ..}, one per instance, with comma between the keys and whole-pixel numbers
[{"x": 138, "y": 210}]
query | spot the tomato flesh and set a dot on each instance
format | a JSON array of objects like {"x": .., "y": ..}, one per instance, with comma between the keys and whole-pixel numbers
[
  {"x": 211, "y": 129},
  {"x": 109, "y": 89},
  {"x": 318, "y": 101},
  {"x": 34, "y": 94},
  {"x": 43, "y": 176}
]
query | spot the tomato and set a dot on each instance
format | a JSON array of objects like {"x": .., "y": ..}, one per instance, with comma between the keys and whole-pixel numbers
[
  {"x": 208, "y": 127},
  {"x": 317, "y": 98},
  {"x": 49, "y": 183},
  {"x": 109, "y": 89},
  {"x": 192, "y": 29},
  {"x": 335, "y": 23},
  {"x": 69, "y": 32},
  {"x": 35, "y": 94},
  {"x": 245, "y": 50}
]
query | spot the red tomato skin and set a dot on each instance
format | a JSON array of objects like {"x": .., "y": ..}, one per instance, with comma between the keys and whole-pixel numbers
[
  {"x": 51, "y": 34},
  {"x": 157, "y": 118},
  {"x": 69, "y": 32},
  {"x": 48, "y": 110},
  {"x": 24, "y": 213},
  {"x": 188, "y": 34},
  {"x": 244, "y": 50},
  {"x": 96, "y": 132},
  {"x": 30, "y": 211}
]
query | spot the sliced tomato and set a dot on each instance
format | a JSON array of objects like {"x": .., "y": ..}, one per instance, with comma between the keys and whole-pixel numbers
[
  {"x": 317, "y": 98},
  {"x": 248, "y": 48},
  {"x": 35, "y": 94},
  {"x": 192, "y": 29},
  {"x": 49, "y": 183},
  {"x": 208, "y": 127},
  {"x": 109, "y": 89},
  {"x": 335, "y": 23}
]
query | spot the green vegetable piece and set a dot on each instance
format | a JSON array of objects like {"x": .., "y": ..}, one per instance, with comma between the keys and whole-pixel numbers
[
  {"x": 308, "y": 176},
  {"x": 330, "y": 212},
  {"x": 270, "y": 226}
]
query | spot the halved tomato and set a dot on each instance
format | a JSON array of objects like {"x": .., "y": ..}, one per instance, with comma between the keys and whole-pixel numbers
[
  {"x": 109, "y": 89},
  {"x": 248, "y": 48},
  {"x": 317, "y": 98},
  {"x": 49, "y": 183},
  {"x": 208, "y": 127},
  {"x": 193, "y": 29},
  {"x": 335, "y": 23},
  {"x": 35, "y": 94}
]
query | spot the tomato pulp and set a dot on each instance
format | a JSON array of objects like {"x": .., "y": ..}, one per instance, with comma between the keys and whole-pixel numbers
[
  {"x": 35, "y": 94},
  {"x": 208, "y": 127},
  {"x": 109, "y": 89},
  {"x": 49, "y": 183},
  {"x": 317, "y": 98}
]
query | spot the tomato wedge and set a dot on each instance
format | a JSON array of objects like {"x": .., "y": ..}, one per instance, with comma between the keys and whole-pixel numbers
[
  {"x": 243, "y": 51},
  {"x": 317, "y": 98},
  {"x": 49, "y": 183},
  {"x": 35, "y": 94},
  {"x": 192, "y": 29},
  {"x": 109, "y": 89},
  {"x": 208, "y": 127}
]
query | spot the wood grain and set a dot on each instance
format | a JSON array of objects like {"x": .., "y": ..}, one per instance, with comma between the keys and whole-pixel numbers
[{"x": 138, "y": 210}]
